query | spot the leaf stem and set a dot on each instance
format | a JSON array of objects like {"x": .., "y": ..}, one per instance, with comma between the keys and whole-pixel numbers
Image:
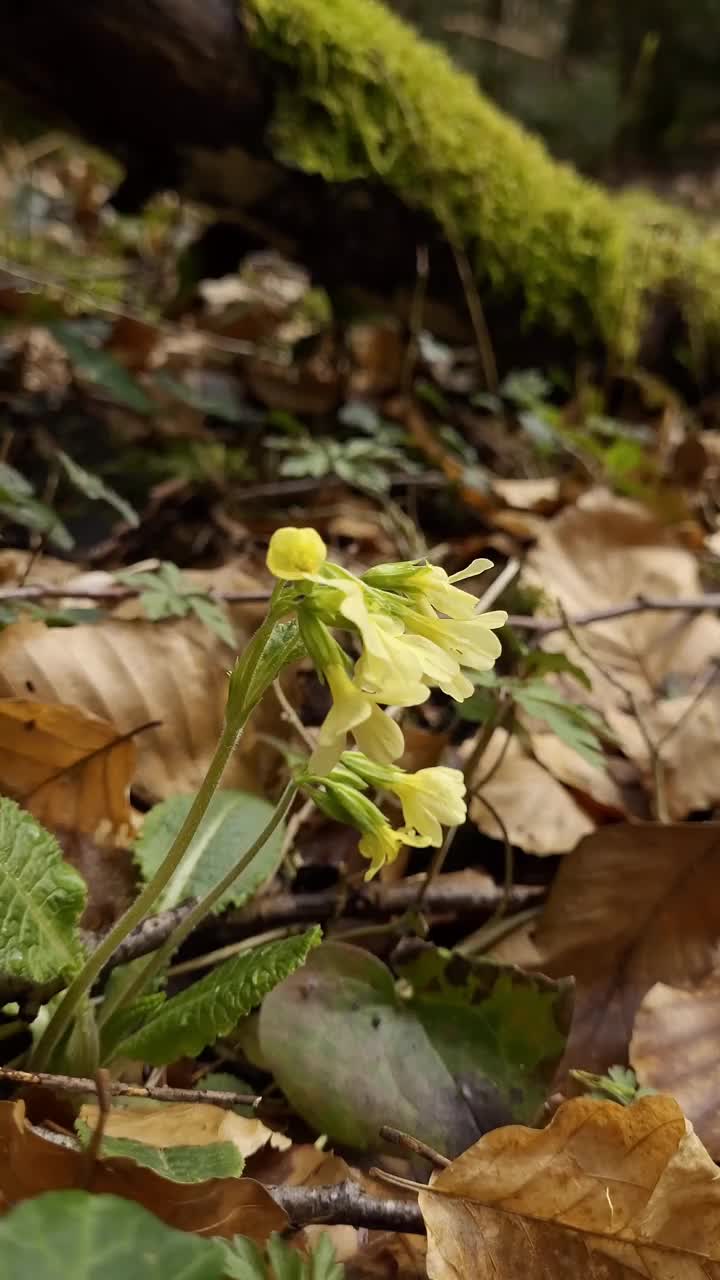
[{"x": 203, "y": 907}]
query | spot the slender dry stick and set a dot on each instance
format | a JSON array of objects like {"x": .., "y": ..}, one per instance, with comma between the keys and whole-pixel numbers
[
  {"x": 477, "y": 316},
  {"x": 291, "y": 715},
  {"x": 79, "y": 1084},
  {"x": 409, "y": 1143},
  {"x": 415, "y": 319}
]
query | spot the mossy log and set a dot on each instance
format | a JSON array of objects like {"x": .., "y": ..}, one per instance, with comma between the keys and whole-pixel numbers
[{"x": 331, "y": 124}]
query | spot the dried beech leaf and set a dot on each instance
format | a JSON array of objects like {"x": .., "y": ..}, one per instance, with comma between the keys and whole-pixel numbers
[
  {"x": 70, "y": 769},
  {"x": 603, "y": 1193},
  {"x": 538, "y": 813},
  {"x": 134, "y": 673},
  {"x": 31, "y": 1164},
  {"x": 634, "y": 905},
  {"x": 674, "y": 1049},
  {"x": 180, "y": 1124}
]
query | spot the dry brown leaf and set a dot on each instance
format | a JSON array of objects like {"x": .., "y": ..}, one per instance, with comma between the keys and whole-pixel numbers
[
  {"x": 634, "y": 905},
  {"x": 69, "y": 768},
  {"x": 134, "y": 673},
  {"x": 387, "y": 1256},
  {"x": 180, "y": 1124},
  {"x": 607, "y": 551},
  {"x": 674, "y": 1049},
  {"x": 539, "y": 815},
  {"x": 529, "y": 495},
  {"x": 686, "y": 733},
  {"x": 573, "y": 770},
  {"x": 31, "y": 1164},
  {"x": 604, "y": 1193}
]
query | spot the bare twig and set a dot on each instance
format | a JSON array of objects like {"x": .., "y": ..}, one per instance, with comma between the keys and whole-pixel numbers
[
  {"x": 347, "y": 1203},
  {"x": 643, "y": 604},
  {"x": 417, "y": 308},
  {"x": 415, "y": 1145},
  {"x": 291, "y": 716},
  {"x": 368, "y": 902},
  {"x": 78, "y": 1084},
  {"x": 115, "y": 595},
  {"x": 477, "y": 316}
]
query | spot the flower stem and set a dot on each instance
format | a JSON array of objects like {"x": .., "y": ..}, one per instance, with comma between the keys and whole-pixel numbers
[
  {"x": 159, "y": 959},
  {"x": 143, "y": 904}
]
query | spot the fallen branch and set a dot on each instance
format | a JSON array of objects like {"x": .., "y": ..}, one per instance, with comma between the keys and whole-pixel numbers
[
  {"x": 78, "y": 1084},
  {"x": 348, "y": 1204},
  {"x": 373, "y": 901}
]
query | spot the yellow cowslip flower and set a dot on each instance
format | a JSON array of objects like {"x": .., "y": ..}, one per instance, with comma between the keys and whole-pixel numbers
[
  {"x": 295, "y": 553},
  {"x": 383, "y": 844},
  {"x": 354, "y": 712},
  {"x": 396, "y": 667},
  {"x": 431, "y": 798},
  {"x": 472, "y": 642},
  {"x": 429, "y": 585}
]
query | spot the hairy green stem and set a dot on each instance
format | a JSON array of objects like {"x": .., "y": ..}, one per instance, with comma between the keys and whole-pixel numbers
[
  {"x": 235, "y": 719},
  {"x": 125, "y": 994}
]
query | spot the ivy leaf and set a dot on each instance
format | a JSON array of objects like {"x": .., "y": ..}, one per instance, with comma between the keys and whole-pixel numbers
[
  {"x": 168, "y": 594},
  {"x": 41, "y": 901},
  {"x": 178, "y": 1164},
  {"x": 73, "y": 1235},
  {"x": 244, "y": 1260},
  {"x": 234, "y": 819},
  {"x": 96, "y": 490},
  {"x": 575, "y": 725},
  {"x": 212, "y": 1007}
]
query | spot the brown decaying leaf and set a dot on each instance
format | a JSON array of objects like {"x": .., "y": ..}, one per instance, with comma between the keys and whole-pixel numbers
[
  {"x": 604, "y": 1193},
  {"x": 674, "y": 1049},
  {"x": 133, "y": 673},
  {"x": 69, "y": 768},
  {"x": 31, "y": 1164},
  {"x": 539, "y": 814},
  {"x": 179, "y": 1124},
  {"x": 607, "y": 551},
  {"x": 590, "y": 782},
  {"x": 634, "y": 905}
]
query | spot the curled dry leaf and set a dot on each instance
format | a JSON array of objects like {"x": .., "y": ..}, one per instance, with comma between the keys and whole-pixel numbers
[
  {"x": 590, "y": 782},
  {"x": 70, "y": 769},
  {"x": 633, "y": 906},
  {"x": 539, "y": 814},
  {"x": 686, "y": 734},
  {"x": 135, "y": 673},
  {"x": 604, "y": 1192},
  {"x": 31, "y": 1164},
  {"x": 178, "y": 1124},
  {"x": 674, "y": 1049}
]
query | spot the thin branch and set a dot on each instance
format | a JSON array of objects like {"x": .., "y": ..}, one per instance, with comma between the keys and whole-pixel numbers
[
  {"x": 348, "y": 1204},
  {"x": 418, "y": 1148},
  {"x": 371, "y": 901},
  {"x": 78, "y": 1084}
]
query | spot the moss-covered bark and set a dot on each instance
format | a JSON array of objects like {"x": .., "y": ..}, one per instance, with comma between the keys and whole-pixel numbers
[{"x": 359, "y": 96}]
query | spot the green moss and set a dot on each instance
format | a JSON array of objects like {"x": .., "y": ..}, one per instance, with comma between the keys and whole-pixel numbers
[{"x": 360, "y": 96}]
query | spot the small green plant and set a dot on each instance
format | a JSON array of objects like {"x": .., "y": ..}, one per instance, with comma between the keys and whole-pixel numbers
[
  {"x": 365, "y": 461},
  {"x": 620, "y": 1084},
  {"x": 416, "y": 629},
  {"x": 166, "y": 593}
]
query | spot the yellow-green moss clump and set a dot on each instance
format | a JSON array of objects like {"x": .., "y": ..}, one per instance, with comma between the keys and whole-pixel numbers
[{"x": 360, "y": 95}]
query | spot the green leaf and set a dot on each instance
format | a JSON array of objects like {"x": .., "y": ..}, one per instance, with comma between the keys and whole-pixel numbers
[
  {"x": 575, "y": 725},
  {"x": 18, "y": 503},
  {"x": 73, "y": 1235},
  {"x": 177, "y": 1164},
  {"x": 283, "y": 647},
  {"x": 168, "y": 594},
  {"x": 234, "y": 819},
  {"x": 126, "y": 1021},
  {"x": 102, "y": 369},
  {"x": 619, "y": 1085},
  {"x": 41, "y": 901},
  {"x": 94, "y": 488},
  {"x": 244, "y": 1260},
  {"x": 212, "y": 1007},
  {"x": 224, "y": 1082},
  {"x": 467, "y": 1047},
  {"x": 539, "y": 662}
]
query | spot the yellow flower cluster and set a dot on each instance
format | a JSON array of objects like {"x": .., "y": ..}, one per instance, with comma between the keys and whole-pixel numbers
[{"x": 417, "y": 631}]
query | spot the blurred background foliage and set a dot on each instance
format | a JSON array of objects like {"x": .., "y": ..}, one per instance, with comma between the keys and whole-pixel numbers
[{"x": 611, "y": 84}]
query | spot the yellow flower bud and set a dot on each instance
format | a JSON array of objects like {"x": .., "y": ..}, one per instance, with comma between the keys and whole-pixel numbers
[{"x": 295, "y": 553}]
